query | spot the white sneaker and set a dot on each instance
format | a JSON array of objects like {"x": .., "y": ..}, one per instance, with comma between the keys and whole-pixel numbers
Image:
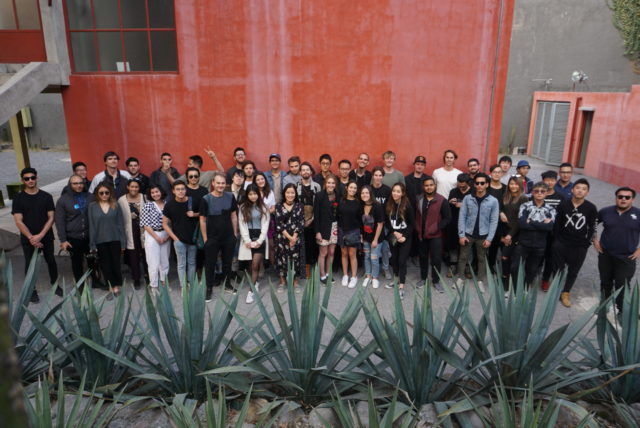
[
  {"x": 481, "y": 286},
  {"x": 459, "y": 282},
  {"x": 353, "y": 282},
  {"x": 345, "y": 280},
  {"x": 250, "y": 298},
  {"x": 375, "y": 283},
  {"x": 366, "y": 281}
]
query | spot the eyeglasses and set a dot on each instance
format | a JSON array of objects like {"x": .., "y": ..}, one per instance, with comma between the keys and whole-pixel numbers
[
  {"x": 194, "y": 176},
  {"x": 77, "y": 183},
  {"x": 627, "y": 197},
  {"x": 539, "y": 191},
  {"x": 480, "y": 183},
  {"x": 30, "y": 178},
  {"x": 104, "y": 192}
]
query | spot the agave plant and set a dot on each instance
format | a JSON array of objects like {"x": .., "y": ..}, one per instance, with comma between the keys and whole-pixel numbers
[
  {"x": 82, "y": 321},
  {"x": 391, "y": 414},
  {"x": 513, "y": 340},
  {"x": 32, "y": 348},
  {"x": 96, "y": 413},
  {"x": 516, "y": 408},
  {"x": 626, "y": 415},
  {"x": 415, "y": 363},
  {"x": 182, "y": 411},
  {"x": 177, "y": 351},
  {"x": 617, "y": 352},
  {"x": 290, "y": 355}
]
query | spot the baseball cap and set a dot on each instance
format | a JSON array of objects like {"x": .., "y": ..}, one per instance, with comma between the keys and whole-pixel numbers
[
  {"x": 275, "y": 155},
  {"x": 523, "y": 163},
  {"x": 420, "y": 159}
]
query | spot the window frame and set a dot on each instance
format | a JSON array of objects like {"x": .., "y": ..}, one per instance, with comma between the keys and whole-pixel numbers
[{"x": 121, "y": 30}]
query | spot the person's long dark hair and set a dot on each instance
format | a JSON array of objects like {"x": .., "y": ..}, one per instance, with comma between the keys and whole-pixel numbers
[
  {"x": 295, "y": 191},
  {"x": 266, "y": 189},
  {"x": 508, "y": 197},
  {"x": 247, "y": 205},
  {"x": 344, "y": 195},
  {"x": 402, "y": 206},
  {"x": 372, "y": 199}
]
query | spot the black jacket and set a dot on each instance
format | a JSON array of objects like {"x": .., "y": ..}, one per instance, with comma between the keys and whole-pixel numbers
[
  {"x": 70, "y": 217},
  {"x": 324, "y": 213}
]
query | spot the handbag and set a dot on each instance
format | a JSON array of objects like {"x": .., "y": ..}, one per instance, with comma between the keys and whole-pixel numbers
[
  {"x": 197, "y": 238},
  {"x": 352, "y": 238}
]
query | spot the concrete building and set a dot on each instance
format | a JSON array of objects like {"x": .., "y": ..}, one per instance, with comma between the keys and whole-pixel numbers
[
  {"x": 302, "y": 77},
  {"x": 549, "y": 41}
]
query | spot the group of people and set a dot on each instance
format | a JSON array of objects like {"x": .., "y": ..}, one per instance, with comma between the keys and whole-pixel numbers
[{"x": 226, "y": 222}]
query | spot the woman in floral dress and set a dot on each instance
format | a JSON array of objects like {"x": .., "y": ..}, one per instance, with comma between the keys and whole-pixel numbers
[{"x": 289, "y": 237}]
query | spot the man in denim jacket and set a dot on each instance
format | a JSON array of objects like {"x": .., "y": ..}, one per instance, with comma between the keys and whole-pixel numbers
[{"x": 477, "y": 225}]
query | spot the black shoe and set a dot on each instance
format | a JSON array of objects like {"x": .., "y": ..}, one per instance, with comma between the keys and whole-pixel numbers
[
  {"x": 209, "y": 295},
  {"x": 59, "y": 292},
  {"x": 34, "y": 297},
  {"x": 137, "y": 285},
  {"x": 229, "y": 289},
  {"x": 99, "y": 286}
]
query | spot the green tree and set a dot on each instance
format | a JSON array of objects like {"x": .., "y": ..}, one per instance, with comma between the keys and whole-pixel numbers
[{"x": 626, "y": 18}]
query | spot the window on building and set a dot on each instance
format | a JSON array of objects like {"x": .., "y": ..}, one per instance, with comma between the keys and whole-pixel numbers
[
  {"x": 122, "y": 35},
  {"x": 19, "y": 15}
]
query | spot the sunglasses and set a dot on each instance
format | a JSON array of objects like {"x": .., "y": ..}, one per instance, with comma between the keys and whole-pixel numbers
[
  {"x": 104, "y": 192},
  {"x": 30, "y": 178},
  {"x": 194, "y": 176},
  {"x": 626, "y": 197},
  {"x": 480, "y": 183}
]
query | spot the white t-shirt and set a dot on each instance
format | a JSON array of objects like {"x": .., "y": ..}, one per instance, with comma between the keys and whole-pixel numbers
[
  {"x": 446, "y": 180},
  {"x": 270, "y": 200},
  {"x": 505, "y": 178}
]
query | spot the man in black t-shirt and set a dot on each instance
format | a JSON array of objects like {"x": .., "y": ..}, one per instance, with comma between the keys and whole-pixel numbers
[
  {"x": 574, "y": 231},
  {"x": 382, "y": 193},
  {"x": 34, "y": 214},
  {"x": 219, "y": 228},
  {"x": 179, "y": 221}
]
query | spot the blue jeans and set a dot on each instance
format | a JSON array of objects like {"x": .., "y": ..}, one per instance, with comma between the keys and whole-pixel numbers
[
  {"x": 385, "y": 254},
  {"x": 372, "y": 259},
  {"x": 186, "y": 258}
]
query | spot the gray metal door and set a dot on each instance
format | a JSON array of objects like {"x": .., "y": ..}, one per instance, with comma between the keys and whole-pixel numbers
[{"x": 550, "y": 131}]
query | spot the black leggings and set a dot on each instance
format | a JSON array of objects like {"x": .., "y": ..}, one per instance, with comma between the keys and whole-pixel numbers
[
  {"x": 110, "y": 262},
  {"x": 47, "y": 253},
  {"x": 399, "y": 255}
]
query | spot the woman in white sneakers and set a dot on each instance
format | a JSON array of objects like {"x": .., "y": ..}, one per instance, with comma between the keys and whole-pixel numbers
[{"x": 253, "y": 224}]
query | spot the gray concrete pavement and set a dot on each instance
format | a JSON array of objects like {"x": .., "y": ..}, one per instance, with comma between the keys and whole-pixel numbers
[
  {"x": 584, "y": 295},
  {"x": 52, "y": 166}
]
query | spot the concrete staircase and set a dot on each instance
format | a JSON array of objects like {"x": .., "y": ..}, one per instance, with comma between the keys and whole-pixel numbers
[{"x": 20, "y": 83}]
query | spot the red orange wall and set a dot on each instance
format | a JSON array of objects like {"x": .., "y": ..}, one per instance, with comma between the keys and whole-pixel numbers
[
  {"x": 614, "y": 145},
  {"x": 307, "y": 77}
]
